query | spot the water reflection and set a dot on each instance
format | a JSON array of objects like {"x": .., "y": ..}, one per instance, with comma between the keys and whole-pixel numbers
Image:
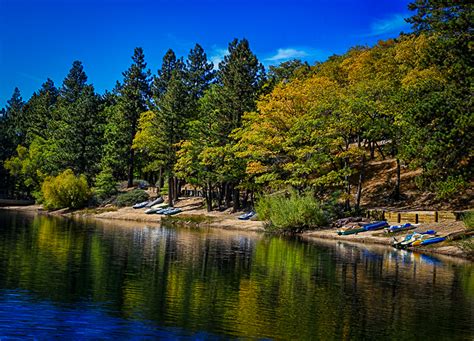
[{"x": 202, "y": 283}]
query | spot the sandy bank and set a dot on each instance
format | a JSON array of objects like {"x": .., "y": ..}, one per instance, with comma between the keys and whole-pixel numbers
[{"x": 195, "y": 215}]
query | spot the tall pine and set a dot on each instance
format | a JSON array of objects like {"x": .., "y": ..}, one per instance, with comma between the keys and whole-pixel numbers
[{"x": 134, "y": 95}]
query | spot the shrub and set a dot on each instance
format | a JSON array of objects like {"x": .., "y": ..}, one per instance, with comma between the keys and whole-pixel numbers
[
  {"x": 468, "y": 219},
  {"x": 105, "y": 185},
  {"x": 450, "y": 187},
  {"x": 65, "y": 190},
  {"x": 131, "y": 198},
  {"x": 291, "y": 213}
]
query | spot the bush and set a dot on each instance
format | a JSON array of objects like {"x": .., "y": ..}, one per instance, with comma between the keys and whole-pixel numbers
[
  {"x": 450, "y": 187},
  {"x": 468, "y": 219},
  {"x": 105, "y": 185},
  {"x": 291, "y": 213},
  {"x": 131, "y": 198},
  {"x": 65, "y": 190}
]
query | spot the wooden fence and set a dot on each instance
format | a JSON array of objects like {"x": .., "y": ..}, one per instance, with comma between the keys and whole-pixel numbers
[{"x": 415, "y": 217}]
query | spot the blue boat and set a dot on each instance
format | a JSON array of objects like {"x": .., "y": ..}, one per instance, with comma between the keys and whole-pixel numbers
[
  {"x": 140, "y": 204},
  {"x": 157, "y": 201},
  {"x": 247, "y": 216},
  {"x": 398, "y": 228},
  {"x": 172, "y": 211},
  {"x": 375, "y": 226},
  {"x": 433, "y": 240}
]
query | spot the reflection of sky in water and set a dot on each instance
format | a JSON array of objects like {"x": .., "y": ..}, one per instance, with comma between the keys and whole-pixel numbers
[{"x": 42, "y": 319}]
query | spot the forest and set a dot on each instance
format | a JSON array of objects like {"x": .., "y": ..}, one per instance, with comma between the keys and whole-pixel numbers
[{"x": 238, "y": 131}]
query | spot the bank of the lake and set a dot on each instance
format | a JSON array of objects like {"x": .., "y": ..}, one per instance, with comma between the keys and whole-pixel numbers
[{"x": 194, "y": 215}]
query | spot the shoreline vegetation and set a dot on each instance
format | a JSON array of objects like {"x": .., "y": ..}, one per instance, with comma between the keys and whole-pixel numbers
[
  {"x": 303, "y": 145},
  {"x": 194, "y": 215}
]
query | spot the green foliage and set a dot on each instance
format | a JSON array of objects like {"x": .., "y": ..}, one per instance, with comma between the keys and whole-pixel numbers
[
  {"x": 78, "y": 130},
  {"x": 134, "y": 95},
  {"x": 65, "y": 190},
  {"x": 468, "y": 219},
  {"x": 105, "y": 185},
  {"x": 449, "y": 188},
  {"x": 291, "y": 213},
  {"x": 131, "y": 198}
]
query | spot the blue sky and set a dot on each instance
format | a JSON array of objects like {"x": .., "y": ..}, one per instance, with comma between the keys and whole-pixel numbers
[{"x": 41, "y": 38}]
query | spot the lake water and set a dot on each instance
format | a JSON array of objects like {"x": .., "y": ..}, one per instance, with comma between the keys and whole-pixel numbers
[{"x": 68, "y": 279}]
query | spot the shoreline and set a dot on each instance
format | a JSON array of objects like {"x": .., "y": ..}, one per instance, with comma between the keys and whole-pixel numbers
[{"x": 194, "y": 215}]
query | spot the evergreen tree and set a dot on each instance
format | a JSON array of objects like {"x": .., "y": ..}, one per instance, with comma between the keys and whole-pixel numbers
[
  {"x": 39, "y": 111},
  {"x": 15, "y": 120},
  {"x": 241, "y": 77},
  {"x": 163, "y": 77},
  {"x": 199, "y": 72},
  {"x": 79, "y": 125},
  {"x": 134, "y": 94}
]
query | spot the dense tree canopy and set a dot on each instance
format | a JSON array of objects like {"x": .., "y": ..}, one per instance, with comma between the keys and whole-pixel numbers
[{"x": 233, "y": 132}]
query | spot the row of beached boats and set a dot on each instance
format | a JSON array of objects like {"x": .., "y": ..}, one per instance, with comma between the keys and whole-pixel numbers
[
  {"x": 412, "y": 239},
  {"x": 157, "y": 206}
]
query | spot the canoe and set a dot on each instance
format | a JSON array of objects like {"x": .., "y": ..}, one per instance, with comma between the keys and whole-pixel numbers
[
  {"x": 172, "y": 211},
  {"x": 351, "y": 231},
  {"x": 421, "y": 239},
  {"x": 140, "y": 204},
  {"x": 162, "y": 205},
  {"x": 157, "y": 201},
  {"x": 398, "y": 228},
  {"x": 410, "y": 238},
  {"x": 433, "y": 240},
  {"x": 375, "y": 226},
  {"x": 247, "y": 216},
  {"x": 151, "y": 210}
]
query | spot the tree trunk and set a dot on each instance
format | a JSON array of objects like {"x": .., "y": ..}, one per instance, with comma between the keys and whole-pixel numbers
[
  {"x": 380, "y": 150},
  {"x": 228, "y": 194},
  {"x": 160, "y": 179},
  {"x": 236, "y": 199},
  {"x": 396, "y": 193},
  {"x": 372, "y": 150},
  {"x": 131, "y": 160},
  {"x": 347, "y": 204},
  {"x": 246, "y": 199},
  {"x": 359, "y": 185},
  {"x": 208, "y": 196},
  {"x": 220, "y": 196},
  {"x": 170, "y": 191}
]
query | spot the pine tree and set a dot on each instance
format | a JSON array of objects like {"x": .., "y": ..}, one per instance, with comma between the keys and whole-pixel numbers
[
  {"x": 39, "y": 111},
  {"x": 15, "y": 120},
  {"x": 134, "y": 94},
  {"x": 241, "y": 77},
  {"x": 78, "y": 126},
  {"x": 163, "y": 77}
]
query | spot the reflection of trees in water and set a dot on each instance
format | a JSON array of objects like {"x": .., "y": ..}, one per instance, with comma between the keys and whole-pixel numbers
[{"x": 237, "y": 283}]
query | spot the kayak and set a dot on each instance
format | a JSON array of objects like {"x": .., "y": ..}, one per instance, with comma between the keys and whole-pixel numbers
[
  {"x": 151, "y": 210},
  {"x": 140, "y": 204},
  {"x": 351, "y": 231},
  {"x": 375, "y": 226},
  {"x": 433, "y": 240},
  {"x": 172, "y": 211},
  {"x": 162, "y": 205},
  {"x": 247, "y": 216},
  {"x": 411, "y": 238},
  {"x": 398, "y": 228},
  {"x": 158, "y": 200}
]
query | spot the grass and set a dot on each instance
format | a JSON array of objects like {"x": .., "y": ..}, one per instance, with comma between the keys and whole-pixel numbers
[{"x": 186, "y": 220}]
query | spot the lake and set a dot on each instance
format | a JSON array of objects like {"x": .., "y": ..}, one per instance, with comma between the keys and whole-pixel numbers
[{"x": 112, "y": 280}]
